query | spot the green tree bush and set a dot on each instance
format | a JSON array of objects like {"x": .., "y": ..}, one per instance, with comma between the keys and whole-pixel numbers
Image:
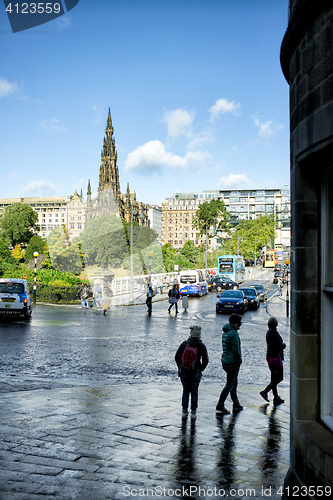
[
  {"x": 36, "y": 244},
  {"x": 18, "y": 223}
]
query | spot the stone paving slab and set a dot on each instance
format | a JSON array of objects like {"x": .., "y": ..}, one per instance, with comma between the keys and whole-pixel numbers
[{"x": 102, "y": 441}]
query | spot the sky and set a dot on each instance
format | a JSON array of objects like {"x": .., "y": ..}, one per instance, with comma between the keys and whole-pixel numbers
[{"x": 197, "y": 97}]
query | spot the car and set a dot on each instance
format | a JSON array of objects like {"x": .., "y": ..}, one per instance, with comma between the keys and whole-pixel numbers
[
  {"x": 278, "y": 275},
  {"x": 222, "y": 283},
  {"x": 278, "y": 267},
  {"x": 261, "y": 291},
  {"x": 252, "y": 297},
  {"x": 15, "y": 299},
  {"x": 231, "y": 301}
]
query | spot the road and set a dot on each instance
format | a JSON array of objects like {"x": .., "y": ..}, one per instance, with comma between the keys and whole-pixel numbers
[{"x": 127, "y": 345}]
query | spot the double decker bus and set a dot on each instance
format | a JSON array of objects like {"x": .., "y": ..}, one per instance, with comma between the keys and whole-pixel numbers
[
  {"x": 270, "y": 258},
  {"x": 231, "y": 266}
]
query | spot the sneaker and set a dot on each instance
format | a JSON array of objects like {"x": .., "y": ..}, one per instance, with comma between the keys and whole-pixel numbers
[
  {"x": 263, "y": 394},
  {"x": 193, "y": 415},
  {"x": 222, "y": 409},
  {"x": 184, "y": 414},
  {"x": 277, "y": 401},
  {"x": 237, "y": 407}
]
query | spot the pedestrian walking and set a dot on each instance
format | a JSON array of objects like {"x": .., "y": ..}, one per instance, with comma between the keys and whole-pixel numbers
[
  {"x": 231, "y": 361},
  {"x": 274, "y": 356},
  {"x": 173, "y": 298},
  {"x": 97, "y": 292},
  {"x": 161, "y": 283},
  {"x": 84, "y": 293},
  {"x": 280, "y": 285},
  {"x": 149, "y": 298},
  {"x": 139, "y": 282},
  {"x": 155, "y": 283},
  {"x": 191, "y": 358}
]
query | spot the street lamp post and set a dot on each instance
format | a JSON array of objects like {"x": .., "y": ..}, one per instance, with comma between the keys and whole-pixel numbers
[
  {"x": 150, "y": 254},
  {"x": 35, "y": 277},
  {"x": 287, "y": 262},
  {"x": 255, "y": 251},
  {"x": 206, "y": 252},
  {"x": 141, "y": 217}
]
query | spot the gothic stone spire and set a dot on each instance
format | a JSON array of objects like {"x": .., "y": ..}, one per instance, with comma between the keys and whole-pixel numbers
[{"x": 109, "y": 174}]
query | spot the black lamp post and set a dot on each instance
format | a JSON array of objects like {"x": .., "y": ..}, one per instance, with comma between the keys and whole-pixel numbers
[{"x": 35, "y": 277}]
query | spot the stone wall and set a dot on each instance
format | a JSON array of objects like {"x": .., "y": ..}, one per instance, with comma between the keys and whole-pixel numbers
[{"x": 307, "y": 63}]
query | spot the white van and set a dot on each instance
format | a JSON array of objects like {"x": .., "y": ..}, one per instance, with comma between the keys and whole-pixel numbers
[
  {"x": 15, "y": 297},
  {"x": 192, "y": 283}
]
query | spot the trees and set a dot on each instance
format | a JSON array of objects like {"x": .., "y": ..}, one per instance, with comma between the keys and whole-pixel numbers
[
  {"x": 211, "y": 215},
  {"x": 190, "y": 252},
  {"x": 104, "y": 242},
  {"x": 18, "y": 222},
  {"x": 261, "y": 229},
  {"x": 36, "y": 244},
  {"x": 64, "y": 255},
  {"x": 18, "y": 253}
]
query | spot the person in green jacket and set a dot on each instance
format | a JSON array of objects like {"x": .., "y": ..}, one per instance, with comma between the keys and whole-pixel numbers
[{"x": 231, "y": 361}]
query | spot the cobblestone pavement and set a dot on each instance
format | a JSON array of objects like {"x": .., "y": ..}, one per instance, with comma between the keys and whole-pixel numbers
[
  {"x": 66, "y": 439},
  {"x": 101, "y": 442}
]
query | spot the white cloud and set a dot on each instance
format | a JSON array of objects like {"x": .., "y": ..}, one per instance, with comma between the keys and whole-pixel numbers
[
  {"x": 7, "y": 88},
  {"x": 39, "y": 188},
  {"x": 233, "y": 181},
  {"x": 152, "y": 157},
  {"x": 52, "y": 125},
  {"x": 199, "y": 140},
  {"x": 178, "y": 122},
  {"x": 223, "y": 106},
  {"x": 266, "y": 129}
]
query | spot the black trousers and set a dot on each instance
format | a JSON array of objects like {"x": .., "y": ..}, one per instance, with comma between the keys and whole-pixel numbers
[{"x": 231, "y": 383}]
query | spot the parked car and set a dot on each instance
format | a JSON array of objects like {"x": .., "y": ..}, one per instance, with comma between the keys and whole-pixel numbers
[
  {"x": 222, "y": 283},
  {"x": 261, "y": 291},
  {"x": 252, "y": 297},
  {"x": 15, "y": 299},
  {"x": 231, "y": 301},
  {"x": 278, "y": 275}
]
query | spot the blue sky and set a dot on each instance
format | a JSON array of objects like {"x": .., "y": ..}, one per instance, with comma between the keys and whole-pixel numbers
[{"x": 197, "y": 97}]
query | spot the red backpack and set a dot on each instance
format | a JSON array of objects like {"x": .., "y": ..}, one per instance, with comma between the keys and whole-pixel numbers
[{"x": 189, "y": 357}]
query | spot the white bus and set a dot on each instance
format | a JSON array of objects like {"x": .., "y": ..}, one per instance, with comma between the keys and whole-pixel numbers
[{"x": 192, "y": 283}]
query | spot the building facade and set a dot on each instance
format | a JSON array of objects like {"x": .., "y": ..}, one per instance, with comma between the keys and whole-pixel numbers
[
  {"x": 307, "y": 64},
  {"x": 52, "y": 211},
  {"x": 155, "y": 220},
  {"x": 178, "y": 212}
]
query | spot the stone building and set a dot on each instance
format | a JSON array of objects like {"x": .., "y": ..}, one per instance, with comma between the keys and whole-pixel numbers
[
  {"x": 307, "y": 64},
  {"x": 52, "y": 211},
  {"x": 242, "y": 204},
  {"x": 109, "y": 198}
]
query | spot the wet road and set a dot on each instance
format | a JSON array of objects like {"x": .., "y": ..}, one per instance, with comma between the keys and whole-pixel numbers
[
  {"x": 126, "y": 344},
  {"x": 90, "y": 407}
]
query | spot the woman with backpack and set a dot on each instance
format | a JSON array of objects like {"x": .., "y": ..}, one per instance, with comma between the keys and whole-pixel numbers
[
  {"x": 191, "y": 358},
  {"x": 173, "y": 297}
]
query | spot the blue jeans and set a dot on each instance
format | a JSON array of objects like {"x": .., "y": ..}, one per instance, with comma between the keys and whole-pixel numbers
[
  {"x": 84, "y": 302},
  {"x": 190, "y": 381}
]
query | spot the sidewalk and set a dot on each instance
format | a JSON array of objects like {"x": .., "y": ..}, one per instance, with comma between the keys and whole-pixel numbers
[
  {"x": 92, "y": 440},
  {"x": 99, "y": 442}
]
